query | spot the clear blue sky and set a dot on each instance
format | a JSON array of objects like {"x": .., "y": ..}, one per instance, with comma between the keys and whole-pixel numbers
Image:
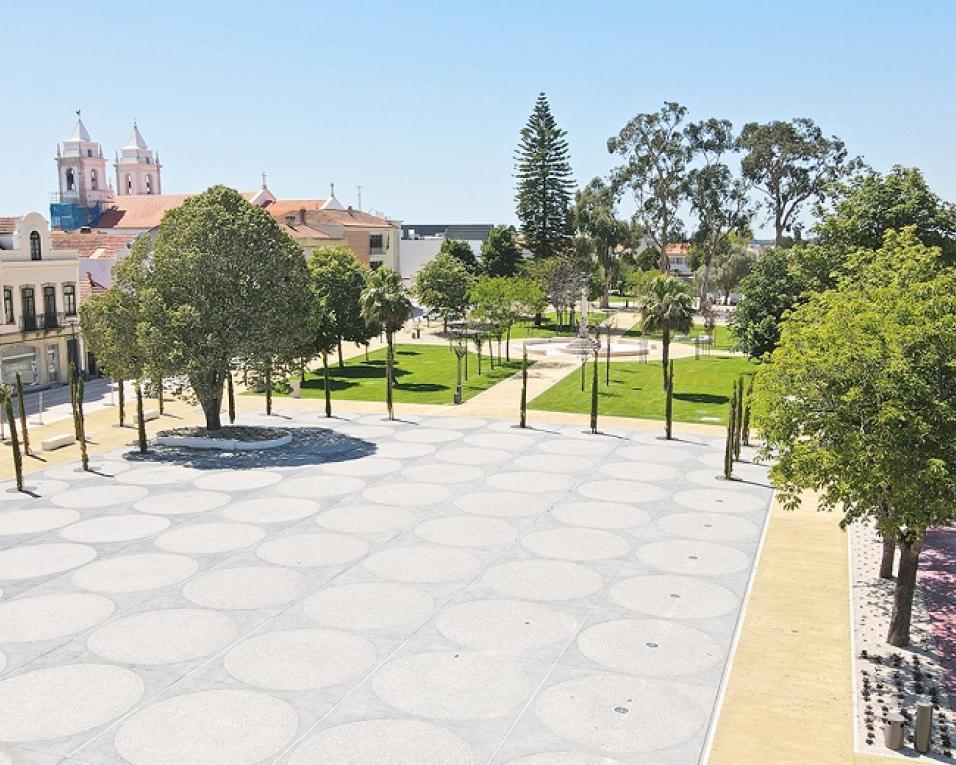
[{"x": 421, "y": 102}]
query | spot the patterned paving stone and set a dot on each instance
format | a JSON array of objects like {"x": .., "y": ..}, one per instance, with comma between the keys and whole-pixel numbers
[
  {"x": 369, "y": 606},
  {"x": 30, "y": 561},
  {"x": 115, "y": 528},
  {"x": 270, "y": 510},
  {"x": 33, "y": 521},
  {"x": 674, "y": 597},
  {"x": 366, "y": 519},
  {"x": 45, "y": 617},
  {"x": 182, "y": 502},
  {"x": 312, "y": 550},
  {"x": 138, "y": 572},
  {"x": 505, "y": 625},
  {"x": 422, "y": 563},
  {"x": 467, "y": 531},
  {"x": 543, "y": 580},
  {"x": 246, "y": 588}
]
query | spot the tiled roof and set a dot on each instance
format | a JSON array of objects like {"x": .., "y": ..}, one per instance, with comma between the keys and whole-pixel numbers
[
  {"x": 351, "y": 218},
  {"x": 292, "y": 206},
  {"x": 8, "y": 225},
  {"x": 677, "y": 249},
  {"x": 93, "y": 244},
  {"x": 299, "y": 230},
  {"x": 140, "y": 211},
  {"x": 89, "y": 286}
]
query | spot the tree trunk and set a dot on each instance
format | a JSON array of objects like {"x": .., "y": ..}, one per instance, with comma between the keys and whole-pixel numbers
[
  {"x": 899, "y": 632},
  {"x": 524, "y": 388},
  {"x": 665, "y": 352},
  {"x": 328, "y": 391},
  {"x": 778, "y": 229},
  {"x": 269, "y": 389},
  {"x": 389, "y": 364},
  {"x": 669, "y": 403},
  {"x": 209, "y": 393},
  {"x": 140, "y": 422},
  {"x": 22, "y": 407},
  {"x": 122, "y": 402},
  {"x": 232, "y": 398},
  {"x": 889, "y": 557},
  {"x": 341, "y": 360},
  {"x": 508, "y": 344},
  {"x": 159, "y": 395}
]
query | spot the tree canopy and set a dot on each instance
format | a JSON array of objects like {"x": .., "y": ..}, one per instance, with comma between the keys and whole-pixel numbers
[
  {"x": 460, "y": 249},
  {"x": 543, "y": 183},
  {"x": 594, "y": 218},
  {"x": 221, "y": 282},
  {"x": 443, "y": 284},
  {"x": 858, "y": 401},
  {"x": 770, "y": 290},
  {"x": 338, "y": 280},
  {"x": 500, "y": 252},
  {"x": 667, "y": 307}
]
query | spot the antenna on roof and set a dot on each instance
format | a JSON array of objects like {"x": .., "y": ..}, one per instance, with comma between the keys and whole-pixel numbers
[
  {"x": 263, "y": 180},
  {"x": 359, "y": 197},
  {"x": 331, "y": 189}
]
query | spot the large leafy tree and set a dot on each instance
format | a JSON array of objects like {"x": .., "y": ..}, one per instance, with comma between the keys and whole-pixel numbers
[
  {"x": 667, "y": 307},
  {"x": 385, "y": 304},
  {"x": 594, "y": 218},
  {"x": 770, "y": 290},
  {"x": 791, "y": 163},
  {"x": 460, "y": 249},
  {"x": 718, "y": 199},
  {"x": 560, "y": 279},
  {"x": 338, "y": 280},
  {"x": 221, "y": 282},
  {"x": 500, "y": 252},
  {"x": 443, "y": 285},
  {"x": 544, "y": 183},
  {"x": 656, "y": 153},
  {"x": 864, "y": 209},
  {"x": 859, "y": 401},
  {"x": 731, "y": 266}
]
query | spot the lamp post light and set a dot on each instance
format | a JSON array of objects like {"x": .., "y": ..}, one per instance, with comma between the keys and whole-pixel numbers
[{"x": 461, "y": 349}]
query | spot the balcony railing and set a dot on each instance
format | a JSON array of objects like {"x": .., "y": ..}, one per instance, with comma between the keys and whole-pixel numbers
[{"x": 43, "y": 322}]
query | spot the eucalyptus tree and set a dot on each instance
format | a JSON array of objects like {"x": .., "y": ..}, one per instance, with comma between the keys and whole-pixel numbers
[
  {"x": 667, "y": 307},
  {"x": 384, "y": 303},
  {"x": 656, "y": 153},
  {"x": 594, "y": 217}
]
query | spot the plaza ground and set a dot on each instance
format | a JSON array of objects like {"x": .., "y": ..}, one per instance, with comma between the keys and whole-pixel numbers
[{"x": 447, "y": 588}]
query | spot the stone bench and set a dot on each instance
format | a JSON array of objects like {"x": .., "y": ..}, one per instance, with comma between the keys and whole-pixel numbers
[
  {"x": 57, "y": 441},
  {"x": 150, "y": 414}
]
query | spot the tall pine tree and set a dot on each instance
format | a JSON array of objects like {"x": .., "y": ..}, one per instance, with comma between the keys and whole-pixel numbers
[{"x": 544, "y": 183}]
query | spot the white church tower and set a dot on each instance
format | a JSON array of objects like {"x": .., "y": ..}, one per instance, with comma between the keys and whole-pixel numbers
[
  {"x": 82, "y": 169},
  {"x": 137, "y": 167}
]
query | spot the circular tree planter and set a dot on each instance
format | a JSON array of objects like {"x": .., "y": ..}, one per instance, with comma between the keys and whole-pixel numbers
[{"x": 231, "y": 439}]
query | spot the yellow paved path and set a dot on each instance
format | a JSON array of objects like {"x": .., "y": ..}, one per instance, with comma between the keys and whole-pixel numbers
[{"x": 789, "y": 698}]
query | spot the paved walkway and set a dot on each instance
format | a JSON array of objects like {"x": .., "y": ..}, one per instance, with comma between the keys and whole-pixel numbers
[
  {"x": 446, "y": 589},
  {"x": 789, "y": 700}
]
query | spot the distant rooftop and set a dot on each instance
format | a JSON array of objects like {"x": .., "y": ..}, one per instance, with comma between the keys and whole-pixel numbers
[{"x": 467, "y": 231}]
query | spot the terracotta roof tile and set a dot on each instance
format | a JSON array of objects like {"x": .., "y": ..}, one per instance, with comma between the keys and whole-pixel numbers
[
  {"x": 8, "y": 225},
  {"x": 89, "y": 286},
  {"x": 93, "y": 244},
  {"x": 352, "y": 218}
]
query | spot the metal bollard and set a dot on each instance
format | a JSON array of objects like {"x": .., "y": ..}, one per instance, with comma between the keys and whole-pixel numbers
[
  {"x": 893, "y": 732},
  {"x": 924, "y": 725}
]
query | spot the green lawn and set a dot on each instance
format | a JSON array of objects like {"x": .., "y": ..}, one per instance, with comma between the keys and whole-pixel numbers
[
  {"x": 723, "y": 337},
  {"x": 701, "y": 389},
  {"x": 549, "y": 328},
  {"x": 425, "y": 374}
]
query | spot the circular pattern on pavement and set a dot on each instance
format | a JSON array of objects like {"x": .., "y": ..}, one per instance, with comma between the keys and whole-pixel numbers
[
  {"x": 159, "y": 475},
  {"x": 674, "y": 597},
  {"x": 712, "y": 527},
  {"x": 467, "y": 531},
  {"x": 163, "y": 637},
  {"x": 33, "y": 521},
  {"x": 640, "y": 471},
  {"x": 720, "y": 501},
  {"x": 554, "y": 463},
  {"x": 318, "y": 486},
  {"x": 270, "y": 510},
  {"x": 237, "y": 480},
  {"x": 501, "y": 504},
  {"x": 115, "y": 528},
  {"x": 649, "y": 647},
  {"x": 505, "y": 625},
  {"x": 393, "y": 450},
  {"x": 373, "y": 742},
  {"x": 572, "y": 447},
  {"x": 622, "y": 491},
  {"x": 300, "y": 660},
  {"x": 695, "y": 557},
  {"x": 29, "y": 561},
  {"x": 467, "y": 685},
  {"x": 369, "y": 606},
  {"x": 73, "y": 471},
  {"x": 458, "y": 423},
  {"x": 95, "y": 497},
  {"x": 530, "y": 481},
  {"x": 97, "y": 693},
  {"x": 653, "y": 454},
  {"x": 543, "y": 580},
  {"x": 366, "y": 519},
  {"x": 601, "y": 515},
  {"x": 428, "y": 436},
  {"x": 564, "y": 758},
  {"x": 467, "y": 455},
  {"x": 314, "y": 550},
  {"x": 209, "y": 538},
  {"x": 45, "y": 617},
  {"x": 618, "y": 713},
  {"x": 182, "y": 502},
  {"x": 221, "y": 727},
  {"x": 410, "y": 494},
  {"x": 134, "y": 573},
  {"x": 367, "y": 466},
  {"x": 575, "y": 544},
  {"x": 38, "y": 488},
  {"x": 443, "y": 473},
  {"x": 246, "y": 587},
  {"x": 508, "y": 441},
  {"x": 422, "y": 563}
]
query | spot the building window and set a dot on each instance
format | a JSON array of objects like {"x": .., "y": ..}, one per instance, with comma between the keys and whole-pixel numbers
[
  {"x": 129, "y": 183},
  {"x": 70, "y": 179},
  {"x": 376, "y": 244},
  {"x": 36, "y": 250},
  {"x": 28, "y": 308},
  {"x": 69, "y": 299},
  {"x": 49, "y": 306},
  {"x": 94, "y": 184},
  {"x": 149, "y": 184},
  {"x": 89, "y": 152},
  {"x": 7, "y": 305}
]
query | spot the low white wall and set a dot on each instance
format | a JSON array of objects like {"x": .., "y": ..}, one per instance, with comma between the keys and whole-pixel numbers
[{"x": 415, "y": 253}]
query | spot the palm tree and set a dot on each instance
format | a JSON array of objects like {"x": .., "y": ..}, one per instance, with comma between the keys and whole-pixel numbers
[
  {"x": 384, "y": 302},
  {"x": 666, "y": 307}
]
